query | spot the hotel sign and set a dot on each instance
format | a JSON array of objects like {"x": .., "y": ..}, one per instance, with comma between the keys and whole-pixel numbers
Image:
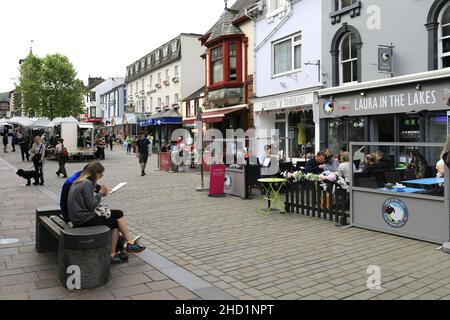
[
  {"x": 284, "y": 103},
  {"x": 395, "y": 100}
]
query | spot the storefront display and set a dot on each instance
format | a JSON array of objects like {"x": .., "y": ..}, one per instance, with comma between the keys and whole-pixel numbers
[{"x": 410, "y": 108}]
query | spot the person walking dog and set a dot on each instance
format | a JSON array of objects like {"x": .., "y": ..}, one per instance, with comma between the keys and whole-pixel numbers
[{"x": 38, "y": 155}]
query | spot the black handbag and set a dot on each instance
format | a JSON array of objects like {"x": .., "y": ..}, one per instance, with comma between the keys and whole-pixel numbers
[{"x": 38, "y": 156}]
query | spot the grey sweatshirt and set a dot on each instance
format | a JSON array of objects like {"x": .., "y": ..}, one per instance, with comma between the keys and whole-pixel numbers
[{"x": 82, "y": 202}]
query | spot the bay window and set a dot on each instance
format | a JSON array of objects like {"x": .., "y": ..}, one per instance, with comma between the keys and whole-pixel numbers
[
  {"x": 217, "y": 64},
  {"x": 287, "y": 55}
]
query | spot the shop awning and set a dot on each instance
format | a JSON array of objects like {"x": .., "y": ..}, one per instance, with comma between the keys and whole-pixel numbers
[
  {"x": 215, "y": 115},
  {"x": 86, "y": 126},
  {"x": 162, "y": 118}
]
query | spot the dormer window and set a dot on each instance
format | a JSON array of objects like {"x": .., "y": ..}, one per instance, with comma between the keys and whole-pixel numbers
[
  {"x": 157, "y": 55},
  {"x": 165, "y": 51},
  {"x": 174, "y": 47}
]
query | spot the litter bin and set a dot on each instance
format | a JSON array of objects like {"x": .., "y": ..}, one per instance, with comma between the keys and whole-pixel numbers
[{"x": 85, "y": 253}]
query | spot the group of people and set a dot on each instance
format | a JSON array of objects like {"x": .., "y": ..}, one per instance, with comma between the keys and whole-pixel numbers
[{"x": 326, "y": 161}]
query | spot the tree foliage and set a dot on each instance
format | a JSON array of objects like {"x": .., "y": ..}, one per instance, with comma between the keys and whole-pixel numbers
[{"x": 49, "y": 87}]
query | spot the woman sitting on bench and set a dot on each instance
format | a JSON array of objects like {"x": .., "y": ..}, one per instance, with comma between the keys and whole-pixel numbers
[{"x": 84, "y": 210}]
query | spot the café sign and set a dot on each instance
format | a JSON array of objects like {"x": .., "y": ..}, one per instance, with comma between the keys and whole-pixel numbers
[
  {"x": 402, "y": 100},
  {"x": 284, "y": 103}
]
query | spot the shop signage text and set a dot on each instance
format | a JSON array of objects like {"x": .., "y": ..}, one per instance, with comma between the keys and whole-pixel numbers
[
  {"x": 378, "y": 101},
  {"x": 283, "y": 103},
  {"x": 402, "y": 100}
]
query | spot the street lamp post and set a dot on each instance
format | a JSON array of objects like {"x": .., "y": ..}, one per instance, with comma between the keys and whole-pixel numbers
[{"x": 199, "y": 124}]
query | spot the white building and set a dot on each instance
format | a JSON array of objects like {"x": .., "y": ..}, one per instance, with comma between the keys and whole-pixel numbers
[{"x": 165, "y": 76}]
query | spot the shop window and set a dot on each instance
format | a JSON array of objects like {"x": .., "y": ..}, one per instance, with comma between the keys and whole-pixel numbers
[
  {"x": 444, "y": 38},
  {"x": 287, "y": 55},
  {"x": 409, "y": 128},
  {"x": 336, "y": 134},
  {"x": 436, "y": 127},
  {"x": 217, "y": 64},
  {"x": 348, "y": 59}
]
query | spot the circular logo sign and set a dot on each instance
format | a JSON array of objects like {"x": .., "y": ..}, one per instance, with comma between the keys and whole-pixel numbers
[
  {"x": 386, "y": 56},
  {"x": 228, "y": 182},
  {"x": 328, "y": 107},
  {"x": 395, "y": 212}
]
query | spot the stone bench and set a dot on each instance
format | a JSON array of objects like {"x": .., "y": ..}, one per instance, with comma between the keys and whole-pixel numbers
[{"x": 83, "y": 253}]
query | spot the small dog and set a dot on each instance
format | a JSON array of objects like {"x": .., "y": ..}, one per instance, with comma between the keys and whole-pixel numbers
[{"x": 27, "y": 175}]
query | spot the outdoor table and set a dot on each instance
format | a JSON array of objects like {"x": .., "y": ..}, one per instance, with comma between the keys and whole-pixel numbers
[
  {"x": 405, "y": 190},
  {"x": 425, "y": 182},
  {"x": 271, "y": 194}
]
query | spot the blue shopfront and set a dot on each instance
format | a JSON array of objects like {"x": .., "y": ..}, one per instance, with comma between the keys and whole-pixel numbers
[{"x": 161, "y": 125}]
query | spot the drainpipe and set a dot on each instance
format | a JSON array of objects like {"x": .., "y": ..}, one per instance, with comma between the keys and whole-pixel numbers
[{"x": 246, "y": 98}]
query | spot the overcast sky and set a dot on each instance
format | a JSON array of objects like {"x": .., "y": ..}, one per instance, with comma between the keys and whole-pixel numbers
[{"x": 100, "y": 37}]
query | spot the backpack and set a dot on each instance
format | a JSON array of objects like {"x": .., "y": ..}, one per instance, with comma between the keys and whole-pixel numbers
[{"x": 64, "y": 152}]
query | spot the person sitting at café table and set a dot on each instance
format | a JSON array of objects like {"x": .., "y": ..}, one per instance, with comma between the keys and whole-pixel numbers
[
  {"x": 344, "y": 170},
  {"x": 316, "y": 164},
  {"x": 369, "y": 163},
  {"x": 418, "y": 163},
  {"x": 382, "y": 163},
  {"x": 266, "y": 154},
  {"x": 331, "y": 163}
]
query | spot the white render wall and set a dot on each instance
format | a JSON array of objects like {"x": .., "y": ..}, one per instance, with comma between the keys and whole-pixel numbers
[
  {"x": 192, "y": 65},
  {"x": 307, "y": 18}
]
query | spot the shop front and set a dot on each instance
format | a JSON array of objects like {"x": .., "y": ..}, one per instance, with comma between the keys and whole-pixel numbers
[
  {"x": 293, "y": 116},
  {"x": 161, "y": 125},
  {"x": 401, "y": 124},
  {"x": 405, "y": 109}
]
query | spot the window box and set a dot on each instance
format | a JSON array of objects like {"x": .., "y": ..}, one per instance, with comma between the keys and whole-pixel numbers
[
  {"x": 158, "y": 85},
  {"x": 175, "y": 79},
  {"x": 354, "y": 10},
  {"x": 166, "y": 82}
]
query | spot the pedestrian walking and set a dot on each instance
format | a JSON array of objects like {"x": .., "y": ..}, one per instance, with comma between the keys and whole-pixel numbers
[
  {"x": 142, "y": 151},
  {"x": 134, "y": 144},
  {"x": 62, "y": 155},
  {"x": 100, "y": 148},
  {"x": 129, "y": 143},
  {"x": 38, "y": 154},
  {"x": 111, "y": 142},
  {"x": 22, "y": 141},
  {"x": 5, "y": 142},
  {"x": 14, "y": 141}
]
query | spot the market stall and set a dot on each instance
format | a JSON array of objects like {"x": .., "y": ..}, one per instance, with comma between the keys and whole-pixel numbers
[{"x": 409, "y": 199}]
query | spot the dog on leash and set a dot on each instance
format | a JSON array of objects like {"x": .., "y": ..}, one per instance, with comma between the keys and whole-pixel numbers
[{"x": 27, "y": 175}]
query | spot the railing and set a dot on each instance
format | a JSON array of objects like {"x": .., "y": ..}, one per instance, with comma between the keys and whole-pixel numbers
[{"x": 312, "y": 198}]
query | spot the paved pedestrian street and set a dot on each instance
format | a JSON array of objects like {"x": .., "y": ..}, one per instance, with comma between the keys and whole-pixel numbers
[{"x": 206, "y": 248}]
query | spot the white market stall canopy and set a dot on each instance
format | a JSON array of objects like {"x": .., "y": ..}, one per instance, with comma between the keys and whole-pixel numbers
[
  {"x": 58, "y": 121},
  {"x": 22, "y": 121},
  {"x": 41, "y": 123}
]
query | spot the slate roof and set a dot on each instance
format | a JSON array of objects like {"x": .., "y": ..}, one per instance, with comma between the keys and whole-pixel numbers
[
  {"x": 196, "y": 94},
  {"x": 226, "y": 25}
]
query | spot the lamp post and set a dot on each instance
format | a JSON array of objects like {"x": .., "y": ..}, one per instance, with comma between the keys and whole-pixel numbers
[{"x": 199, "y": 124}]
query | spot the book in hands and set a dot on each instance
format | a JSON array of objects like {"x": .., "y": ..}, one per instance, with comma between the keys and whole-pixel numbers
[{"x": 120, "y": 185}]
